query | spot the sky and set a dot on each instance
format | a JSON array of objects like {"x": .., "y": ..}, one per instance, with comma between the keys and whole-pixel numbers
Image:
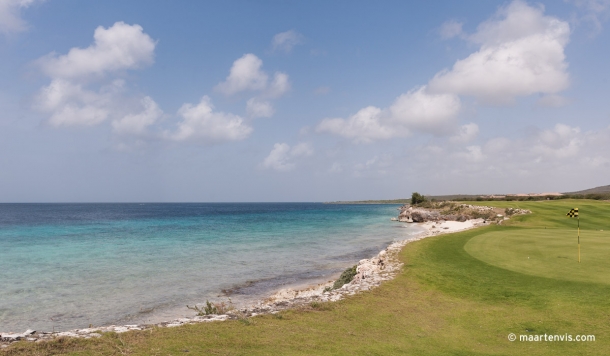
[{"x": 241, "y": 101}]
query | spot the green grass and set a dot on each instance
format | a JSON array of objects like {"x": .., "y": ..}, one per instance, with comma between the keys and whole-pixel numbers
[
  {"x": 450, "y": 299},
  {"x": 549, "y": 253}
]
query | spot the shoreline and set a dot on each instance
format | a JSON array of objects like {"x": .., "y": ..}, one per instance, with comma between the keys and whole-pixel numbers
[{"x": 370, "y": 273}]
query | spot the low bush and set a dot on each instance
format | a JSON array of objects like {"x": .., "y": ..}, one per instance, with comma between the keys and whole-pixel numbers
[{"x": 345, "y": 277}]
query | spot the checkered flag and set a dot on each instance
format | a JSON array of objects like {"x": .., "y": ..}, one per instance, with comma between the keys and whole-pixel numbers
[{"x": 573, "y": 213}]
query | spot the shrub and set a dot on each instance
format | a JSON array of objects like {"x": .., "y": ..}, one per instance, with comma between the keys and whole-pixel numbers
[
  {"x": 417, "y": 198},
  {"x": 212, "y": 308},
  {"x": 345, "y": 277}
]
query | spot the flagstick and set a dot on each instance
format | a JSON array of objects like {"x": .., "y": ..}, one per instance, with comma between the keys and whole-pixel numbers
[{"x": 579, "y": 239}]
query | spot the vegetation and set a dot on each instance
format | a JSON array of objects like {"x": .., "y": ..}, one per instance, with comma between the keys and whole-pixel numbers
[
  {"x": 451, "y": 298},
  {"x": 345, "y": 277},
  {"x": 212, "y": 308},
  {"x": 417, "y": 198}
]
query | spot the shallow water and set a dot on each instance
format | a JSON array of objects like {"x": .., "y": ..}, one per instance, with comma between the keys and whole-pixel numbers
[{"x": 65, "y": 266}]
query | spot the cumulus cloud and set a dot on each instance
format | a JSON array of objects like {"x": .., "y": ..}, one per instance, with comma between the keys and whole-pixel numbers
[
  {"x": 546, "y": 159},
  {"x": 118, "y": 47},
  {"x": 302, "y": 149},
  {"x": 138, "y": 123},
  {"x": 279, "y": 86},
  {"x": 416, "y": 110},
  {"x": 278, "y": 158},
  {"x": 245, "y": 74},
  {"x": 451, "y": 29},
  {"x": 10, "y": 15},
  {"x": 466, "y": 133},
  {"x": 424, "y": 111},
  {"x": 364, "y": 126},
  {"x": 201, "y": 123},
  {"x": 259, "y": 108},
  {"x": 85, "y": 88},
  {"x": 285, "y": 41},
  {"x": 559, "y": 147},
  {"x": 521, "y": 53},
  {"x": 70, "y": 104},
  {"x": 281, "y": 158},
  {"x": 561, "y": 142}
]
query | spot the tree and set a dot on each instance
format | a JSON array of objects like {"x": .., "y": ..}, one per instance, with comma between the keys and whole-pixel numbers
[{"x": 417, "y": 198}]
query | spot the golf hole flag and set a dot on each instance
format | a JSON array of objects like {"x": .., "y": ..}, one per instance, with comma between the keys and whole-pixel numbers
[{"x": 573, "y": 213}]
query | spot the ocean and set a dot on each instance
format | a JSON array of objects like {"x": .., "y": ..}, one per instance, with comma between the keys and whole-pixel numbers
[{"x": 66, "y": 266}]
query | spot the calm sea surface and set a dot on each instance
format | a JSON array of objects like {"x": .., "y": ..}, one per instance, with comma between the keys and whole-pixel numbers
[{"x": 66, "y": 266}]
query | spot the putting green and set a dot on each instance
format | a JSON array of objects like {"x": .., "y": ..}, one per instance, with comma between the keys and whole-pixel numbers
[{"x": 551, "y": 253}]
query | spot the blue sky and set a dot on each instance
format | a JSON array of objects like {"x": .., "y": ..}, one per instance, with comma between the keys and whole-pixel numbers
[{"x": 300, "y": 101}]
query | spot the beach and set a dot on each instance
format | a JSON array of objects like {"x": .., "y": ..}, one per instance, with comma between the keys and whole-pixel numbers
[{"x": 371, "y": 272}]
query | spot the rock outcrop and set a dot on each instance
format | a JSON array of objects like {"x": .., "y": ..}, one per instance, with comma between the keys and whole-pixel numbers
[{"x": 453, "y": 211}]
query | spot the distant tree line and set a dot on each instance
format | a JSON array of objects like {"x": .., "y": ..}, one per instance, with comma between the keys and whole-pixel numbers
[{"x": 597, "y": 196}]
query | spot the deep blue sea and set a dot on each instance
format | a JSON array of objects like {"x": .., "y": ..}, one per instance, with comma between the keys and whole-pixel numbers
[{"x": 65, "y": 266}]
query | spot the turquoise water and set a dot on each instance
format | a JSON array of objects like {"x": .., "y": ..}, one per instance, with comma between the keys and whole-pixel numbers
[{"x": 65, "y": 266}]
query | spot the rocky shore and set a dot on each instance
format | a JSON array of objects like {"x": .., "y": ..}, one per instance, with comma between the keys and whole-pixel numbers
[
  {"x": 369, "y": 273},
  {"x": 453, "y": 211}
]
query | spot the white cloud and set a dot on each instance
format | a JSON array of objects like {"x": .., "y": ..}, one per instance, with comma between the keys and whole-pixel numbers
[
  {"x": 466, "y": 133},
  {"x": 416, "y": 110},
  {"x": 278, "y": 158},
  {"x": 281, "y": 156},
  {"x": 245, "y": 74},
  {"x": 10, "y": 15},
  {"x": 138, "y": 123},
  {"x": 302, "y": 149},
  {"x": 548, "y": 159},
  {"x": 70, "y": 104},
  {"x": 84, "y": 89},
  {"x": 279, "y": 86},
  {"x": 421, "y": 110},
  {"x": 285, "y": 41},
  {"x": 561, "y": 146},
  {"x": 521, "y": 53},
  {"x": 259, "y": 108},
  {"x": 119, "y": 47},
  {"x": 365, "y": 126},
  {"x": 562, "y": 141},
  {"x": 202, "y": 123},
  {"x": 450, "y": 29}
]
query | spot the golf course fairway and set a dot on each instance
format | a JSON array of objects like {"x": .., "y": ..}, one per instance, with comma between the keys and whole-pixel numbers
[{"x": 458, "y": 294}]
